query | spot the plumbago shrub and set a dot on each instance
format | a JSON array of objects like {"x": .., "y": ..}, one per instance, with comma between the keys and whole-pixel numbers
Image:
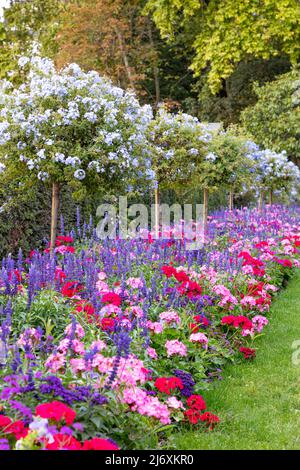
[
  {"x": 114, "y": 344},
  {"x": 176, "y": 144},
  {"x": 273, "y": 171},
  {"x": 71, "y": 126}
]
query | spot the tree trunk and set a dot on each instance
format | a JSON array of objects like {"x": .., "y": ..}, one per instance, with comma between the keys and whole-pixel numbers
[
  {"x": 125, "y": 57},
  {"x": 155, "y": 67},
  {"x": 54, "y": 214},
  {"x": 271, "y": 197},
  {"x": 260, "y": 201},
  {"x": 156, "y": 196},
  {"x": 205, "y": 210},
  {"x": 231, "y": 203}
]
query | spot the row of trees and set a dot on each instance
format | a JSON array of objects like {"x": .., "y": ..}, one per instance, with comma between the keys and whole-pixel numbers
[
  {"x": 201, "y": 55},
  {"x": 75, "y": 128}
]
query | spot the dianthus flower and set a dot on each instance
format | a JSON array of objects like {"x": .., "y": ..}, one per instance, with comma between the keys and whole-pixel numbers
[
  {"x": 165, "y": 385},
  {"x": 175, "y": 347},
  {"x": 56, "y": 411},
  {"x": 97, "y": 443},
  {"x": 196, "y": 402}
]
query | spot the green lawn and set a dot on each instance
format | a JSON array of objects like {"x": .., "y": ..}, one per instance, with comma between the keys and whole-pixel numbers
[{"x": 259, "y": 403}]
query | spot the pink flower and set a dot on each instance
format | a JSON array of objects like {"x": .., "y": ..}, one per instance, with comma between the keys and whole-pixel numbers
[
  {"x": 134, "y": 282},
  {"x": 155, "y": 326},
  {"x": 102, "y": 276},
  {"x": 199, "y": 338},
  {"x": 259, "y": 322},
  {"x": 79, "y": 331},
  {"x": 170, "y": 317},
  {"x": 99, "y": 344},
  {"x": 55, "y": 362},
  {"x": 172, "y": 402},
  {"x": 175, "y": 347},
  {"x": 77, "y": 365},
  {"x": 152, "y": 353}
]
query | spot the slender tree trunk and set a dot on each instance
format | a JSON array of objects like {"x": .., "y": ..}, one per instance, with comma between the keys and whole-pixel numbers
[
  {"x": 205, "y": 210},
  {"x": 125, "y": 57},
  {"x": 260, "y": 202},
  {"x": 231, "y": 202},
  {"x": 156, "y": 196},
  {"x": 54, "y": 214},
  {"x": 271, "y": 197},
  {"x": 155, "y": 67}
]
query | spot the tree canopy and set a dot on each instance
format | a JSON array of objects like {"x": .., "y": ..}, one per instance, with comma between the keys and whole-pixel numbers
[{"x": 225, "y": 33}]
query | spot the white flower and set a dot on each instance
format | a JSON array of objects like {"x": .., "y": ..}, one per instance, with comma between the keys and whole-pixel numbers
[
  {"x": 23, "y": 61},
  {"x": 79, "y": 174},
  {"x": 2, "y": 168}
]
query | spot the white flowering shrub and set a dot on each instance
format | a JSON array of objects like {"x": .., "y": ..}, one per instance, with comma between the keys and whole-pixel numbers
[
  {"x": 176, "y": 148},
  {"x": 71, "y": 127},
  {"x": 225, "y": 163},
  {"x": 273, "y": 171}
]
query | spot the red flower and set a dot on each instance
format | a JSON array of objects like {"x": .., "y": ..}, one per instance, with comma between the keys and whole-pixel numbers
[
  {"x": 169, "y": 271},
  {"x": 237, "y": 321},
  {"x": 165, "y": 385},
  {"x": 60, "y": 275},
  {"x": 64, "y": 442},
  {"x": 107, "y": 324},
  {"x": 56, "y": 411},
  {"x": 181, "y": 276},
  {"x": 4, "y": 421},
  {"x": 248, "y": 353},
  {"x": 210, "y": 419},
  {"x": 285, "y": 262},
  {"x": 99, "y": 444},
  {"x": 196, "y": 402},
  {"x": 17, "y": 429},
  {"x": 71, "y": 288},
  {"x": 192, "y": 415},
  {"x": 62, "y": 239},
  {"x": 112, "y": 298}
]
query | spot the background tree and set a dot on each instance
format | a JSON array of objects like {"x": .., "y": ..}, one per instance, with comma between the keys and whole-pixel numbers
[
  {"x": 24, "y": 23},
  {"x": 224, "y": 34},
  {"x": 274, "y": 121}
]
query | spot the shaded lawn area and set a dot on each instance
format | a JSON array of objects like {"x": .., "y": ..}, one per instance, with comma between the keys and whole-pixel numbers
[{"x": 259, "y": 402}]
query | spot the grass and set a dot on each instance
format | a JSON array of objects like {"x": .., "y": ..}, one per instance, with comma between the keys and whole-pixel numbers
[{"x": 259, "y": 402}]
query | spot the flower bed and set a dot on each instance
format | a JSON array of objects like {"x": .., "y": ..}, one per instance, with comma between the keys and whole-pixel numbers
[{"x": 114, "y": 344}]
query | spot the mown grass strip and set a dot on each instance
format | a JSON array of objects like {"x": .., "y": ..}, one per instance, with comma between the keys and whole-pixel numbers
[{"x": 259, "y": 402}]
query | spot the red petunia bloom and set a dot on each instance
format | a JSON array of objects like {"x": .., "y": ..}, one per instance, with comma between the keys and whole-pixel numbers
[
  {"x": 248, "y": 353},
  {"x": 112, "y": 298},
  {"x": 99, "y": 444},
  {"x": 196, "y": 402},
  {"x": 64, "y": 442},
  {"x": 57, "y": 411},
  {"x": 165, "y": 385}
]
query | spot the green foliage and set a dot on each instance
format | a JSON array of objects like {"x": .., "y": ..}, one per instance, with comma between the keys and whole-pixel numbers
[
  {"x": 226, "y": 164},
  {"x": 237, "y": 91},
  {"x": 274, "y": 120},
  {"x": 226, "y": 33},
  {"x": 24, "y": 23}
]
